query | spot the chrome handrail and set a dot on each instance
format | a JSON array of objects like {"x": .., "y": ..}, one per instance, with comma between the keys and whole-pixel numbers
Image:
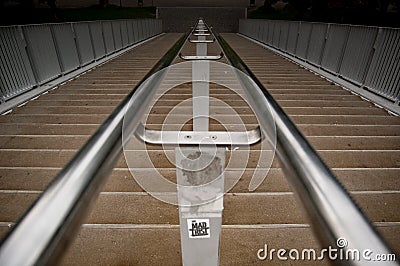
[
  {"x": 201, "y": 34},
  {"x": 42, "y": 234},
  {"x": 167, "y": 137},
  {"x": 204, "y": 27},
  {"x": 201, "y": 41},
  {"x": 44, "y": 231},
  {"x": 331, "y": 211},
  {"x": 201, "y": 57}
]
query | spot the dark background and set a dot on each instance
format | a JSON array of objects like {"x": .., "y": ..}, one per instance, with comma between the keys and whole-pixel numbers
[
  {"x": 363, "y": 12},
  {"x": 222, "y": 13}
]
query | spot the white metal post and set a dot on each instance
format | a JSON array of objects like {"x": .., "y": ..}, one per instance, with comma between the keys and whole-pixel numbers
[{"x": 200, "y": 176}]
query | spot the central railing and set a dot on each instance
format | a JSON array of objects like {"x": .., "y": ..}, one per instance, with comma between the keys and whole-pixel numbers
[{"x": 50, "y": 224}]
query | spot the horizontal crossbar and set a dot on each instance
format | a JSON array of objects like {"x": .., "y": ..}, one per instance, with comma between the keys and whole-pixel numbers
[{"x": 198, "y": 137}]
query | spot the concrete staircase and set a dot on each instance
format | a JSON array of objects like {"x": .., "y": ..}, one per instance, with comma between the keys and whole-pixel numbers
[{"x": 359, "y": 141}]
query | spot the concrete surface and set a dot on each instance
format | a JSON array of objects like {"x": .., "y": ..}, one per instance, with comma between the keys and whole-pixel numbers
[{"x": 360, "y": 142}]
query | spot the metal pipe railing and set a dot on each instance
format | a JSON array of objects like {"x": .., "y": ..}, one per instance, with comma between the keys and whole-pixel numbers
[
  {"x": 331, "y": 211},
  {"x": 46, "y": 228},
  {"x": 41, "y": 235}
]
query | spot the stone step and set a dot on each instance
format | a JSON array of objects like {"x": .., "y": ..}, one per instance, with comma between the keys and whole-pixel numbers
[
  {"x": 119, "y": 242},
  {"x": 239, "y": 208},
  {"x": 349, "y": 130},
  {"x": 60, "y": 103},
  {"x": 345, "y": 119},
  {"x": 134, "y": 244},
  {"x": 313, "y": 97},
  {"x": 108, "y": 109},
  {"x": 54, "y": 142},
  {"x": 46, "y": 129},
  {"x": 321, "y": 103},
  {"x": 122, "y": 180},
  {"x": 319, "y": 91},
  {"x": 238, "y": 158},
  {"x": 298, "y": 119}
]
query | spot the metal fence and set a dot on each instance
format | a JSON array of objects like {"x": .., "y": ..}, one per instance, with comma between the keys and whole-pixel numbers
[
  {"x": 33, "y": 55},
  {"x": 368, "y": 57}
]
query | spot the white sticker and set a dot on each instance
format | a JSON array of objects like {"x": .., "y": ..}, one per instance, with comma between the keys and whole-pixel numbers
[{"x": 199, "y": 228}]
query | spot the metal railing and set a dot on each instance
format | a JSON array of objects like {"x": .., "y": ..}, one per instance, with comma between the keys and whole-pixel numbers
[
  {"x": 368, "y": 57},
  {"x": 33, "y": 55},
  {"x": 331, "y": 211},
  {"x": 41, "y": 235},
  {"x": 46, "y": 228}
]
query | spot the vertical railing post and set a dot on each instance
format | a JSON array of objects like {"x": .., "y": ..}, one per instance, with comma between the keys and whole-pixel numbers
[
  {"x": 200, "y": 175},
  {"x": 342, "y": 52},
  {"x": 371, "y": 55}
]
